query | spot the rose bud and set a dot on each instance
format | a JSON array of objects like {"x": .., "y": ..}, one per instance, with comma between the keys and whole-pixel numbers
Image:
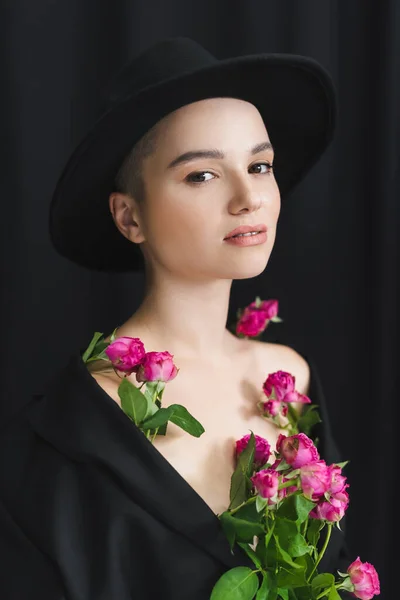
[
  {"x": 365, "y": 579},
  {"x": 266, "y": 482},
  {"x": 276, "y": 411},
  {"x": 262, "y": 449},
  {"x": 157, "y": 366},
  {"x": 126, "y": 353},
  {"x": 338, "y": 481},
  {"x": 297, "y": 450},
  {"x": 252, "y": 323},
  {"x": 283, "y": 384},
  {"x": 315, "y": 478},
  {"x": 332, "y": 510},
  {"x": 269, "y": 307}
]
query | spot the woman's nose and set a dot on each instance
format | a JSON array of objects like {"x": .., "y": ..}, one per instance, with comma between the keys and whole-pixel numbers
[{"x": 245, "y": 198}]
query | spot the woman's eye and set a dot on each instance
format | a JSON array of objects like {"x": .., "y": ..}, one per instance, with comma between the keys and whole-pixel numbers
[
  {"x": 192, "y": 177},
  {"x": 268, "y": 169},
  {"x": 195, "y": 177}
]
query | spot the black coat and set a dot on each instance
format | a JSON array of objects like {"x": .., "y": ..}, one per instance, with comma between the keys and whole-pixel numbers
[{"x": 90, "y": 510}]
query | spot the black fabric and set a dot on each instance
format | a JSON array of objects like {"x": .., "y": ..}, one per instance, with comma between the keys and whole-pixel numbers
[{"x": 90, "y": 510}]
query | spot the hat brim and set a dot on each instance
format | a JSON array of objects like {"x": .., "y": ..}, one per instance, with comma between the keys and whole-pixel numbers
[{"x": 294, "y": 95}]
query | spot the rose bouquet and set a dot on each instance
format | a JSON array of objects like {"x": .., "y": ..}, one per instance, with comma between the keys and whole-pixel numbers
[{"x": 281, "y": 502}]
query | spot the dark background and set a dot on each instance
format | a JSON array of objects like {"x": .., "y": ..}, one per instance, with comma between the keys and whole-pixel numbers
[{"x": 335, "y": 265}]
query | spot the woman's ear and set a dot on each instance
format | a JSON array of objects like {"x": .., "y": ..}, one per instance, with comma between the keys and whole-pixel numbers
[{"x": 127, "y": 218}]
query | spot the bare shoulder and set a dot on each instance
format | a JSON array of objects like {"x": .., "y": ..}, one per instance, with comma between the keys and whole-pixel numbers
[
  {"x": 275, "y": 357},
  {"x": 107, "y": 383}
]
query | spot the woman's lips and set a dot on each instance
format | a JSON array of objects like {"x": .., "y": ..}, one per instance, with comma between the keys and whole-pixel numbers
[
  {"x": 248, "y": 240},
  {"x": 246, "y": 229}
]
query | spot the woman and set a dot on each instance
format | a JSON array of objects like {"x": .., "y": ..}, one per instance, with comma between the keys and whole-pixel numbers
[{"x": 190, "y": 149}]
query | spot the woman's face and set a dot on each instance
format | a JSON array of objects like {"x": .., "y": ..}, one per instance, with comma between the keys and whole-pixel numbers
[{"x": 192, "y": 205}]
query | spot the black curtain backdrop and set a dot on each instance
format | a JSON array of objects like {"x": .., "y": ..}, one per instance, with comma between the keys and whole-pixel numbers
[{"x": 335, "y": 265}]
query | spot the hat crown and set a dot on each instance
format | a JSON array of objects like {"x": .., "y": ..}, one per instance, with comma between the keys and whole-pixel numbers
[{"x": 164, "y": 60}]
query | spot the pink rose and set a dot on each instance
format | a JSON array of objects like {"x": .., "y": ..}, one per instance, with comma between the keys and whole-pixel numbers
[
  {"x": 315, "y": 479},
  {"x": 338, "y": 481},
  {"x": 157, "y": 366},
  {"x": 365, "y": 579},
  {"x": 252, "y": 323},
  {"x": 283, "y": 383},
  {"x": 269, "y": 307},
  {"x": 266, "y": 482},
  {"x": 297, "y": 450},
  {"x": 126, "y": 353},
  {"x": 273, "y": 408},
  {"x": 333, "y": 509},
  {"x": 276, "y": 411},
  {"x": 262, "y": 449}
]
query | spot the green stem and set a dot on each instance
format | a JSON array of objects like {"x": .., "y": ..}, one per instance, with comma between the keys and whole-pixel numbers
[
  {"x": 293, "y": 418},
  {"x": 289, "y": 483},
  {"x": 154, "y": 434},
  {"x": 249, "y": 501},
  {"x": 326, "y": 592},
  {"x": 324, "y": 547},
  {"x": 305, "y": 527}
]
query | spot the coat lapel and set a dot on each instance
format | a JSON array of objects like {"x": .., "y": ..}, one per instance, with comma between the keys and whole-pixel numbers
[{"x": 78, "y": 418}]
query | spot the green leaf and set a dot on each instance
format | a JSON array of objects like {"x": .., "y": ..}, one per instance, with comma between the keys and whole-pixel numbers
[
  {"x": 289, "y": 538},
  {"x": 133, "y": 402},
  {"x": 283, "y": 465},
  {"x": 342, "y": 464},
  {"x": 91, "y": 346},
  {"x": 308, "y": 419},
  {"x": 158, "y": 419},
  {"x": 270, "y": 551},
  {"x": 313, "y": 531},
  {"x": 261, "y": 503},
  {"x": 246, "y": 458},
  {"x": 295, "y": 507},
  {"x": 283, "y": 593},
  {"x": 112, "y": 337},
  {"x": 333, "y": 594},
  {"x": 251, "y": 554},
  {"x": 284, "y": 557},
  {"x": 99, "y": 348},
  {"x": 300, "y": 593},
  {"x": 263, "y": 592},
  {"x": 243, "y": 531},
  {"x": 248, "y": 512},
  {"x": 176, "y": 414},
  {"x": 240, "y": 484},
  {"x": 307, "y": 562},
  {"x": 183, "y": 419},
  {"x": 240, "y": 583},
  {"x": 163, "y": 429},
  {"x": 323, "y": 580},
  {"x": 290, "y": 578}
]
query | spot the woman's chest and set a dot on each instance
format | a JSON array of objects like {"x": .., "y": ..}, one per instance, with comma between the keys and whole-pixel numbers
[{"x": 227, "y": 409}]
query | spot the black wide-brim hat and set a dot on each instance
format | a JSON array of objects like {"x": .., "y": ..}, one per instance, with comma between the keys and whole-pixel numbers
[{"x": 294, "y": 94}]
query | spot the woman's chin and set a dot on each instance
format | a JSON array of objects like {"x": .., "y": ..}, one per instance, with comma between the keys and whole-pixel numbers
[{"x": 249, "y": 269}]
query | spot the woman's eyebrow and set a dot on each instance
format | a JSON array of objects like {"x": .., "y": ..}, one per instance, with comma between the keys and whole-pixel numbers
[{"x": 193, "y": 154}]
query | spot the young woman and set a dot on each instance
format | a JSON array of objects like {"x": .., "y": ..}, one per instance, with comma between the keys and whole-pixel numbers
[{"x": 191, "y": 151}]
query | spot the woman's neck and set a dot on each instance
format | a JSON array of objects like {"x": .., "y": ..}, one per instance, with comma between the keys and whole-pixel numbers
[{"x": 187, "y": 320}]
